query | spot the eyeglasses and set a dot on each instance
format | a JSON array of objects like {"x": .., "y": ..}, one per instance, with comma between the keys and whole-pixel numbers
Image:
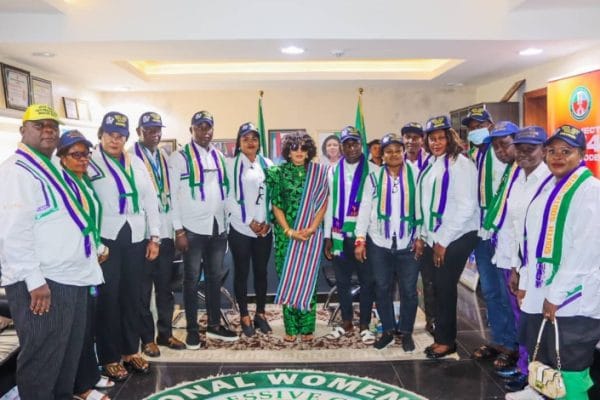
[
  {"x": 299, "y": 147},
  {"x": 78, "y": 155}
]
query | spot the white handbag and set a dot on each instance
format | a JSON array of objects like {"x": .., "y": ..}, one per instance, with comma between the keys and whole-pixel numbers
[{"x": 544, "y": 379}]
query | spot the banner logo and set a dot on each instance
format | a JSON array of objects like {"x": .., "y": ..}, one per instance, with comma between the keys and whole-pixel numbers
[
  {"x": 286, "y": 385},
  {"x": 580, "y": 103}
]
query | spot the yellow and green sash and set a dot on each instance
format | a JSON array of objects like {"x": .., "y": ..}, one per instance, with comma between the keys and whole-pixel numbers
[
  {"x": 407, "y": 200},
  {"x": 196, "y": 170}
]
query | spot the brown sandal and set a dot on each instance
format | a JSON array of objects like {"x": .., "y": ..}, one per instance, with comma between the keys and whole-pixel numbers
[
  {"x": 307, "y": 338},
  {"x": 290, "y": 338},
  {"x": 484, "y": 352},
  {"x": 115, "y": 372},
  {"x": 137, "y": 364},
  {"x": 506, "y": 360}
]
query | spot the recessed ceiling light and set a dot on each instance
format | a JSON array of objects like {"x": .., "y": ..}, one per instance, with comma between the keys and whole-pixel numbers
[
  {"x": 455, "y": 84},
  {"x": 46, "y": 54},
  {"x": 531, "y": 51},
  {"x": 292, "y": 50}
]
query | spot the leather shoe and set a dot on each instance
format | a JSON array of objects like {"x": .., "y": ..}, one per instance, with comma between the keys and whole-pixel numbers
[
  {"x": 151, "y": 349},
  {"x": 172, "y": 343},
  {"x": 434, "y": 355}
]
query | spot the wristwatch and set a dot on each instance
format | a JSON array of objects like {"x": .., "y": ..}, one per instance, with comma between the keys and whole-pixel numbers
[{"x": 155, "y": 239}]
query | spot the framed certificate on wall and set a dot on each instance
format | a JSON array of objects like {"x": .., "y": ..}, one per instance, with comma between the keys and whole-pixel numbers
[
  {"x": 17, "y": 92},
  {"x": 41, "y": 91}
]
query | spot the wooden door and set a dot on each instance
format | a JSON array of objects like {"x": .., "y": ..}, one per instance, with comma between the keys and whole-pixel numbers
[{"x": 535, "y": 108}]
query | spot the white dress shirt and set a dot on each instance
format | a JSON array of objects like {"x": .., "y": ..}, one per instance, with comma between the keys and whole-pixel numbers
[
  {"x": 368, "y": 222},
  {"x": 462, "y": 212},
  {"x": 38, "y": 238},
  {"x": 192, "y": 213},
  {"x": 255, "y": 193},
  {"x": 511, "y": 233},
  {"x": 146, "y": 220},
  {"x": 578, "y": 276},
  {"x": 166, "y": 218}
]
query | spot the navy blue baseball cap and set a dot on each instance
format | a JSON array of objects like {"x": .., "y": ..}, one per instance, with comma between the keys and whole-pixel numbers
[
  {"x": 436, "y": 123},
  {"x": 71, "y": 137},
  {"x": 503, "y": 128},
  {"x": 479, "y": 114},
  {"x": 531, "y": 135},
  {"x": 247, "y": 128},
  {"x": 569, "y": 134},
  {"x": 390, "y": 138},
  {"x": 412, "y": 127},
  {"x": 349, "y": 133},
  {"x": 116, "y": 122},
  {"x": 202, "y": 116},
  {"x": 150, "y": 119}
]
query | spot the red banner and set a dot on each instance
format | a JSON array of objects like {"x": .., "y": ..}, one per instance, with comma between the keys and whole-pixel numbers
[{"x": 575, "y": 101}]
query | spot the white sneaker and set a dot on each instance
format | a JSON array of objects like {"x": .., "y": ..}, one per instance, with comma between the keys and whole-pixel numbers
[{"x": 526, "y": 394}]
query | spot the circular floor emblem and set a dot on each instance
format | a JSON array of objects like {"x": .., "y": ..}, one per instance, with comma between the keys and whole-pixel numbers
[
  {"x": 286, "y": 385},
  {"x": 580, "y": 103}
]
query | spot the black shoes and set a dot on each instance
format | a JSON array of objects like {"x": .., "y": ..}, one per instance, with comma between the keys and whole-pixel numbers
[
  {"x": 193, "y": 342},
  {"x": 408, "y": 344},
  {"x": 247, "y": 327},
  {"x": 261, "y": 324},
  {"x": 431, "y": 353},
  {"x": 221, "y": 333},
  {"x": 386, "y": 339}
]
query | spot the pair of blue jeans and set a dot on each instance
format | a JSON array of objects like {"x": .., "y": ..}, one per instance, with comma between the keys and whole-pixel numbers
[
  {"x": 495, "y": 294},
  {"x": 386, "y": 264},
  {"x": 204, "y": 252}
]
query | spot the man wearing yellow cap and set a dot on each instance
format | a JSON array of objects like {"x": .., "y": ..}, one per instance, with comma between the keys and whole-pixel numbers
[{"x": 48, "y": 259}]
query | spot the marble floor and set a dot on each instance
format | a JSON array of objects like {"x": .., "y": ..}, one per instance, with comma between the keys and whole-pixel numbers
[{"x": 464, "y": 379}]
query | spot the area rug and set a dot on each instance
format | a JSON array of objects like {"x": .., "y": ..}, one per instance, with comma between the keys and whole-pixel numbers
[
  {"x": 286, "y": 385},
  {"x": 273, "y": 349}
]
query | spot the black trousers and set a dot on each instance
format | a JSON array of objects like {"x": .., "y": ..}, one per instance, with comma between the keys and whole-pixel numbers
[
  {"x": 119, "y": 310},
  {"x": 577, "y": 337},
  {"x": 50, "y": 344},
  {"x": 87, "y": 372},
  {"x": 245, "y": 249},
  {"x": 445, "y": 279},
  {"x": 160, "y": 274}
]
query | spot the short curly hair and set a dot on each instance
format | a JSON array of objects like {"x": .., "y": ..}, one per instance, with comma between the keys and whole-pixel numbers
[
  {"x": 300, "y": 139},
  {"x": 454, "y": 147}
]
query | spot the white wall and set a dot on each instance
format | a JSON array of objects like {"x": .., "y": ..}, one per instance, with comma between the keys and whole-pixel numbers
[
  {"x": 538, "y": 77},
  {"x": 315, "y": 109}
]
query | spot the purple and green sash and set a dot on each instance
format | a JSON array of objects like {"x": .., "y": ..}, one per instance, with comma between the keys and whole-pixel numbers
[
  {"x": 437, "y": 206},
  {"x": 122, "y": 172},
  {"x": 301, "y": 265},
  {"x": 344, "y": 221},
  {"x": 196, "y": 177},
  {"x": 238, "y": 185},
  {"x": 485, "y": 166},
  {"x": 407, "y": 200},
  {"x": 494, "y": 218},
  {"x": 82, "y": 219},
  {"x": 159, "y": 172},
  {"x": 550, "y": 241}
]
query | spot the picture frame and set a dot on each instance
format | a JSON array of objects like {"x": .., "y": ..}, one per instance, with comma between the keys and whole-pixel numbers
[
  {"x": 41, "y": 91},
  {"x": 275, "y": 140},
  {"x": 17, "y": 87},
  {"x": 71, "y": 111},
  {"x": 226, "y": 146},
  {"x": 83, "y": 109},
  {"x": 322, "y": 137},
  {"x": 168, "y": 145}
]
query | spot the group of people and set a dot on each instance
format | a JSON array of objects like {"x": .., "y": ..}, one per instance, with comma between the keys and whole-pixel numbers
[{"x": 88, "y": 231}]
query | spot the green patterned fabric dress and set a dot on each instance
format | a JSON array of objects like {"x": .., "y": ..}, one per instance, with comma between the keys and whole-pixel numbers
[{"x": 286, "y": 183}]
